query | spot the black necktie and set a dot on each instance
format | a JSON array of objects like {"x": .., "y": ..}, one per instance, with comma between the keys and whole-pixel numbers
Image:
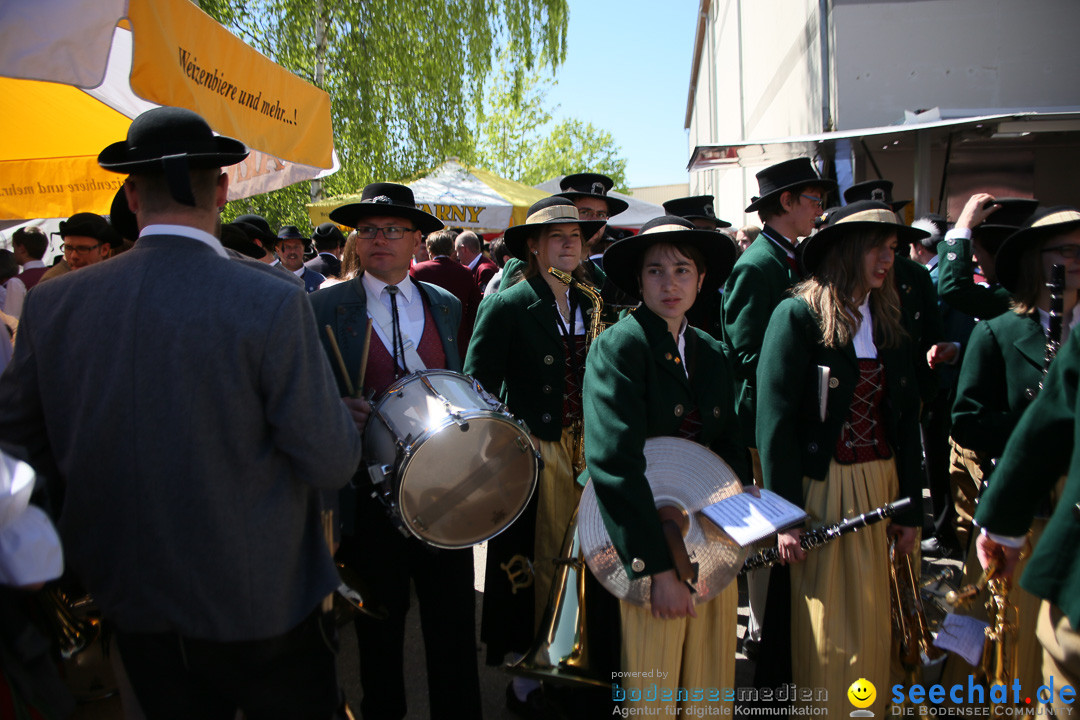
[{"x": 396, "y": 341}]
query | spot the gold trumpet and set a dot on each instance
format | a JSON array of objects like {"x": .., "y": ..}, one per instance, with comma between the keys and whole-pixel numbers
[
  {"x": 560, "y": 653},
  {"x": 596, "y": 326},
  {"x": 908, "y": 615}
]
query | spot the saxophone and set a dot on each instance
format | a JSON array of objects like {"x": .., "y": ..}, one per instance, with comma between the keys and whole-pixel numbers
[
  {"x": 596, "y": 326},
  {"x": 998, "y": 663}
]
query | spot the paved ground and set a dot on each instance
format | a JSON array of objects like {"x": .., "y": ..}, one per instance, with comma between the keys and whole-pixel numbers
[{"x": 492, "y": 680}]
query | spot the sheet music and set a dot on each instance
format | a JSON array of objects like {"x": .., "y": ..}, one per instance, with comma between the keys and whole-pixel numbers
[
  {"x": 748, "y": 519},
  {"x": 962, "y": 635}
]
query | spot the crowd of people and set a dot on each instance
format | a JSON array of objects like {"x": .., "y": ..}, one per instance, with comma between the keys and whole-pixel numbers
[{"x": 194, "y": 396}]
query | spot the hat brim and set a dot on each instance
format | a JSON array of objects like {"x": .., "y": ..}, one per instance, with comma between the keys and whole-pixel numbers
[
  {"x": 1007, "y": 259},
  {"x": 621, "y": 260},
  {"x": 817, "y": 245},
  {"x": 119, "y": 158},
  {"x": 764, "y": 199},
  {"x": 615, "y": 205},
  {"x": 516, "y": 238},
  {"x": 352, "y": 213},
  {"x": 719, "y": 223}
]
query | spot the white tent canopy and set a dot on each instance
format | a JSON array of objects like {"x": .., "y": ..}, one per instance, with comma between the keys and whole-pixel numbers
[{"x": 639, "y": 212}]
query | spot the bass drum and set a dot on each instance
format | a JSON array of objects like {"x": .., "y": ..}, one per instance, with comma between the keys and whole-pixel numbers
[{"x": 448, "y": 459}]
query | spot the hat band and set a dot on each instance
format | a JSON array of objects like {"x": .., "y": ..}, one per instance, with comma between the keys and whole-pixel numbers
[
  {"x": 568, "y": 213},
  {"x": 184, "y": 147},
  {"x": 664, "y": 228},
  {"x": 1057, "y": 218},
  {"x": 876, "y": 215}
]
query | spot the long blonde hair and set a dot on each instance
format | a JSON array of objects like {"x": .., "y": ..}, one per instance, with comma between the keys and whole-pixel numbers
[{"x": 831, "y": 291}]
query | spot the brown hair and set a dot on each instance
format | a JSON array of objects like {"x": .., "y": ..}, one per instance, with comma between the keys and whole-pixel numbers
[
  {"x": 532, "y": 267},
  {"x": 688, "y": 250},
  {"x": 830, "y": 293},
  {"x": 33, "y": 239},
  {"x": 155, "y": 196}
]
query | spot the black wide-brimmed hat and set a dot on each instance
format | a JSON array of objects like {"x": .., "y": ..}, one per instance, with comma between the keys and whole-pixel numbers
[
  {"x": 853, "y": 218},
  {"x": 1003, "y": 222},
  {"x": 549, "y": 211},
  {"x": 239, "y": 236},
  {"x": 92, "y": 226},
  {"x": 171, "y": 141},
  {"x": 622, "y": 261},
  {"x": 789, "y": 175},
  {"x": 388, "y": 200},
  {"x": 594, "y": 185},
  {"x": 695, "y": 207},
  {"x": 1044, "y": 224},
  {"x": 261, "y": 226},
  {"x": 292, "y": 232},
  {"x": 880, "y": 190},
  {"x": 121, "y": 217},
  {"x": 329, "y": 235}
]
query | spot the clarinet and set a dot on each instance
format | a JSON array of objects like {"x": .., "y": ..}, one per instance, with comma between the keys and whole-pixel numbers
[
  {"x": 822, "y": 535},
  {"x": 1056, "y": 286}
]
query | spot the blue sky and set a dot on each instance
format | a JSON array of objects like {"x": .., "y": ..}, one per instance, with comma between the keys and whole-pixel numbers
[{"x": 627, "y": 71}]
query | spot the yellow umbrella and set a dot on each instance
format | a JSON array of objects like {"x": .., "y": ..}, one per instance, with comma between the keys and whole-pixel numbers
[
  {"x": 460, "y": 196},
  {"x": 73, "y": 73}
]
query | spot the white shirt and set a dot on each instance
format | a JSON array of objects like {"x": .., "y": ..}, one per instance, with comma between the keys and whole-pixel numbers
[
  {"x": 560, "y": 322},
  {"x": 188, "y": 232},
  {"x": 31, "y": 264},
  {"x": 410, "y": 310},
  {"x": 15, "y": 292},
  {"x": 682, "y": 347},
  {"x": 475, "y": 262},
  {"x": 864, "y": 335}
]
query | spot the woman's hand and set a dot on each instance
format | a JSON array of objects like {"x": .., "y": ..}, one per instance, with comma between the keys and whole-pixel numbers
[
  {"x": 671, "y": 598},
  {"x": 787, "y": 543},
  {"x": 905, "y": 538}
]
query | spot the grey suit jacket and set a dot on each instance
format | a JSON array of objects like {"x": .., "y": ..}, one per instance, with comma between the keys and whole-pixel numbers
[{"x": 185, "y": 400}]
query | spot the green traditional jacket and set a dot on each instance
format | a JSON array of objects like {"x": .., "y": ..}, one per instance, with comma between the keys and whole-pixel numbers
[
  {"x": 957, "y": 286},
  {"x": 921, "y": 317},
  {"x": 760, "y": 279},
  {"x": 517, "y": 353},
  {"x": 1004, "y": 359},
  {"x": 635, "y": 389},
  {"x": 793, "y": 441},
  {"x": 1044, "y": 446}
]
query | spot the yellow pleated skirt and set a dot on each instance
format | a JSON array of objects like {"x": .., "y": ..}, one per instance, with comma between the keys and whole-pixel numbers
[
  {"x": 690, "y": 660},
  {"x": 557, "y": 497},
  {"x": 840, "y": 605}
]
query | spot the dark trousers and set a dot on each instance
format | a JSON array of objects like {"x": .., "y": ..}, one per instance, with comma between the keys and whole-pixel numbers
[
  {"x": 290, "y": 676},
  {"x": 935, "y": 428},
  {"x": 388, "y": 561}
]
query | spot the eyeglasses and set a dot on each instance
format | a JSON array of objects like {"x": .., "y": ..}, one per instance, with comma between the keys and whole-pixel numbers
[
  {"x": 390, "y": 233},
  {"x": 1066, "y": 251},
  {"x": 79, "y": 249},
  {"x": 819, "y": 201},
  {"x": 590, "y": 214}
]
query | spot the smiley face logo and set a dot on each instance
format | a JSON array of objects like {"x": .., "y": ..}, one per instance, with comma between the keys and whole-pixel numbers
[{"x": 862, "y": 694}]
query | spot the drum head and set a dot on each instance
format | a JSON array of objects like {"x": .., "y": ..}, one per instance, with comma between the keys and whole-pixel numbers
[
  {"x": 686, "y": 475},
  {"x": 462, "y": 487}
]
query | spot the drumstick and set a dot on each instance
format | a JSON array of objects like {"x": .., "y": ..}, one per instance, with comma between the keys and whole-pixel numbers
[
  {"x": 363, "y": 360},
  {"x": 340, "y": 360},
  {"x": 328, "y": 532}
]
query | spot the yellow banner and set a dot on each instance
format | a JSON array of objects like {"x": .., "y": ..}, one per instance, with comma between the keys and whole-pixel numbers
[
  {"x": 183, "y": 57},
  {"x": 56, "y": 188}
]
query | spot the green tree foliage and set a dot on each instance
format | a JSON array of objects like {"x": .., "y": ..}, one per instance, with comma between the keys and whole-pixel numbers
[
  {"x": 574, "y": 146},
  {"x": 404, "y": 76},
  {"x": 515, "y": 138}
]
